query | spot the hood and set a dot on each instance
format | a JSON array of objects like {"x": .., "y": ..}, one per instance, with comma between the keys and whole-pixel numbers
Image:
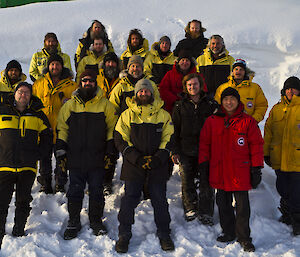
[
  {"x": 144, "y": 111},
  {"x": 99, "y": 95}
]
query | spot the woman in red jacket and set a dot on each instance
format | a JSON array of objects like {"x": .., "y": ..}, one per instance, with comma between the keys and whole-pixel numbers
[
  {"x": 170, "y": 87},
  {"x": 231, "y": 152}
]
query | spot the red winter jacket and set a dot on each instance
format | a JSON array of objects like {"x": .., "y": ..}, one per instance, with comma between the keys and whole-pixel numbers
[
  {"x": 231, "y": 145},
  {"x": 171, "y": 86}
]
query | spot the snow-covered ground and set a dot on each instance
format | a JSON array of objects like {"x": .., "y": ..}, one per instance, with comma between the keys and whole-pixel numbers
[{"x": 264, "y": 33}]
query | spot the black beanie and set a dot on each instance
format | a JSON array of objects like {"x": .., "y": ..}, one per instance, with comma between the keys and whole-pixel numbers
[
  {"x": 184, "y": 54},
  {"x": 24, "y": 84},
  {"x": 230, "y": 91},
  {"x": 291, "y": 82},
  {"x": 55, "y": 57},
  {"x": 111, "y": 56},
  {"x": 13, "y": 64}
]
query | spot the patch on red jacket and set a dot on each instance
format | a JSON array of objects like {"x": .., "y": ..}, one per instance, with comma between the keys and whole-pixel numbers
[
  {"x": 250, "y": 104},
  {"x": 241, "y": 141}
]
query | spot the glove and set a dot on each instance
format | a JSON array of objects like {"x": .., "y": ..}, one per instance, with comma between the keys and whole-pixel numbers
[
  {"x": 175, "y": 158},
  {"x": 154, "y": 162},
  {"x": 109, "y": 161},
  {"x": 268, "y": 161},
  {"x": 255, "y": 173},
  {"x": 143, "y": 162},
  {"x": 203, "y": 169}
]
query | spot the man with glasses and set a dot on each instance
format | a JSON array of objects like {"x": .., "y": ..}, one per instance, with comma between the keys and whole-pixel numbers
[
  {"x": 54, "y": 89},
  {"x": 25, "y": 137},
  {"x": 85, "y": 145},
  {"x": 252, "y": 96},
  {"x": 215, "y": 63}
]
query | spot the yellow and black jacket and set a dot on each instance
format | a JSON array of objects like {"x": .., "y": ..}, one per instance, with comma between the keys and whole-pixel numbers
[
  {"x": 215, "y": 71},
  {"x": 6, "y": 86},
  {"x": 282, "y": 135},
  {"x": 24, "y": 137},
  {"x": 156, "y": 66},
  {"x": 143, "y": 51},
  {"x": 141, "y": 131},
  {"x": 39, "y": 62},
  {"x": 85, "y": 130},
  {"x": 252, "y": 96},
  {"x": 125, "y": 89},
  {"x": 90, "y": 59},
  {"x": 53, "y": 97},
  {"x": 103, "y": 83}
]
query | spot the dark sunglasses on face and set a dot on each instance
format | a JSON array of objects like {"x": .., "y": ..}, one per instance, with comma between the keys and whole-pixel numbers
[{"x": 88, "y": 80}]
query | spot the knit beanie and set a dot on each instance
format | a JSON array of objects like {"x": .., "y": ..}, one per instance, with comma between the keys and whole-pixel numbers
[
  {"x": 230, "y": 91},
  {"x": 13, "y": 64},
  {"x": 239, "y": 62},
  {"x": 143, "y": 83},
  {"x": 55, "y": 57},
  {"x": 111, "y": 56},
  {"x": 184, "y": 54},
  {"x": 88, "y": 72},
  {"x": 291, "y": 82},
  {"x": 135, "y": 59},
  {"x": 50, "y": 35},
  {"x": 24, "y": 84}
]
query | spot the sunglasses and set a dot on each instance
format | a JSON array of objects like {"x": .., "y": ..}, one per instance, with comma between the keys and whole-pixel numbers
[{"x": 88, "y": 80}]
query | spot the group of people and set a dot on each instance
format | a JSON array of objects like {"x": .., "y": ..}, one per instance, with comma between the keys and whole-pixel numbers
[{"x": 196, "y": 107}]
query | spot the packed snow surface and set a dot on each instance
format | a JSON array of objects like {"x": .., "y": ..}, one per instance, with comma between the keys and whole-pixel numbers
[{"x": 264, "y": 33}]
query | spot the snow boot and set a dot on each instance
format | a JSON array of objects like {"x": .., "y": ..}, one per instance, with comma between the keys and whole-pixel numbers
[
  {"x": 107, "y": 189},
  {"x": 286, "y": 215},
  {"x": 74, "y": 225},
  {"x": 21, "y": 215},
  {"x": 166, "y": 243},
  {"x": 225, "y": 238},
  {"x": 60, "y": 188},
  {"x": 95, "y": 217},
  {"x": 190, "y": 215},
  {"x": 122, "y": 244},
  {"x": 206, "y": 219},
  {"x": 296, "y": 224},
  {"x": 46, "y": 184},
  {"x": 247, "y": 246}
]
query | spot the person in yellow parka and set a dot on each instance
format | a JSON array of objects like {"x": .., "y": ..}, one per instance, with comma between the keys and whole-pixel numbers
[
  {"x": 109, "y": 71},
  {"x": 251, "y": 93},
  {"x": 159, "y": 60},
  {"x": 282, "y": 151},
  {"x": 11, "y": 76},
  {"x": 136, "y": 45},
  {"x": 95, "y": 30},
  {"x": 215, "y": 63},
  {"x": 54, "y": 89},
  {"x": 93, "y": 58},
  {"x": 39, "y": 59}
]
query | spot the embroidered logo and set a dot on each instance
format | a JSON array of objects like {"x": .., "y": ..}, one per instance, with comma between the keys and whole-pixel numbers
[
  {"x": 241, "y": 141},
  {"x": 250, "y": 104}
]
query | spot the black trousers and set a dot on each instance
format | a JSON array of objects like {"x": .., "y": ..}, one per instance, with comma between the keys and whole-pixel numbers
[
  {"x": 23, "y": 181},
  {"x": 191, "y": 200},
  {"x": 235, "y": 224},
  {"x": 288, "y": 187},
  {"x": 78, "y": 180},
  {"x": 132, "y": 197}
]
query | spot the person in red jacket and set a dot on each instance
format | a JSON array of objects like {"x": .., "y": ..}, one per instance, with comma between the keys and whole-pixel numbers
[
  {"x": 230, "y": 160},
  {"x": 170, "y": 87}
]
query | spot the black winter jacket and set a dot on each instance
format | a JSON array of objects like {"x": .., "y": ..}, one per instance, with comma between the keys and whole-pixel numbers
[
  {"x": 24, "y": 137},
  {"x": 188, "y": 119}
]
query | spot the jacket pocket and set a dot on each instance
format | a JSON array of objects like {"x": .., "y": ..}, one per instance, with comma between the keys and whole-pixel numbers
[
  {"x": 296, "y": 153},
  {"x": 275, "y": 154}
]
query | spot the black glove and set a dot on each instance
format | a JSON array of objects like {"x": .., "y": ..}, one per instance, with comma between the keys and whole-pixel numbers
[
  {"x": 203, "y": 169},
  {"x": 109, "y": 161},
  {"x": 268, "y": 161},
  {"x": 255, "y": 173},
  {"x": 143, "y": 162}
]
